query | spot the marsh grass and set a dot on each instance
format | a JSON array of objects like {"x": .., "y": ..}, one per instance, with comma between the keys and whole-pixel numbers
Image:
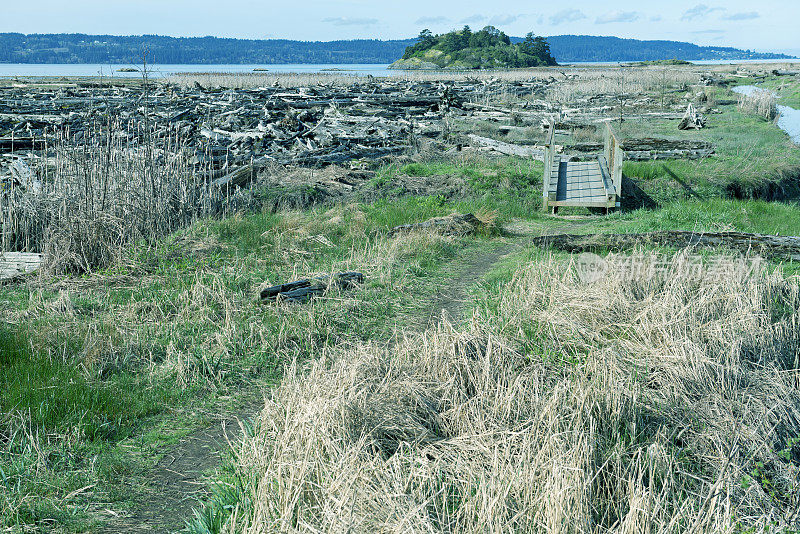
[
  {"x": 102, "y": 192},
  {"x": 127, "y": 358},
  {"x": 760, "y": 102},
  {"x": 52, "y": 416},
  {"x": 654, "y": 405}
]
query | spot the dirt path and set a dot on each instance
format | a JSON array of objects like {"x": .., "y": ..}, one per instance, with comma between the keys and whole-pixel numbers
[
  {"x": 450, "y": 302},
  {"x": 177, "y": 482}
]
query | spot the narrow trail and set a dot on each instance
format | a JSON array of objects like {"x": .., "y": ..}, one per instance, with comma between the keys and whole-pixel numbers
[{"x": 178, "y": 482}]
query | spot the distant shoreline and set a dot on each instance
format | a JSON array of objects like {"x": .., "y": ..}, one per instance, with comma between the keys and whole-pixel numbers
[
  {"x": 60, "y": 49},
  {"x": 158, "y": 71}
]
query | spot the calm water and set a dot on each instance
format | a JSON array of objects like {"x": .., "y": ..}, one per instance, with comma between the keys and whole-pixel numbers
[
  {"x": 8, "y": 70},
  {"x": 789, "y": 120}
]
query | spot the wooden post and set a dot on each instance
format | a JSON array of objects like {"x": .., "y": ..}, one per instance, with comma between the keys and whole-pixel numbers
[
  {"x": 617, "y": 169},
  {"x": 614, "y": 154},
  {"x": 547, "y": 175}
]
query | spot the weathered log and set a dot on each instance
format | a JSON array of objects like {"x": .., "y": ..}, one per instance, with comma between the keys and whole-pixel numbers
[
  {"x": 692, "y": 120},
  {"x": 773, "y": 246},
  {"x": 303, "y": 290},
  {"x": 15, "y": 264},
  {"x": 651, "y": 148},
  {"x": 508, "y": 148}
]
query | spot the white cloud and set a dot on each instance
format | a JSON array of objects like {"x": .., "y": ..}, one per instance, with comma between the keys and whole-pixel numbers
[
  {"x": 618, "y": 16},
  {"x": 567, "y": 15},
  {"x": 699, "y": 11}
]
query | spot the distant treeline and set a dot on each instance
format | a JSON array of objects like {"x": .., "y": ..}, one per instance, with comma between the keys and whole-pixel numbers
[
  {"x": 571, "y": 48},
  {"x": 80, "y": 48}
]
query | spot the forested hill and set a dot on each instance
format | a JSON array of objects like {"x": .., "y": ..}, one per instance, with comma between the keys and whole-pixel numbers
[
  {"x": 484, "y": 49},
  {"x": 78, "y": 48},
  {"x": 571, "y": 48}
]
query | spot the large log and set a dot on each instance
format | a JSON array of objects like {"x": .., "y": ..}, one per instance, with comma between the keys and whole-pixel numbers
[
  {"x": 303, "y": 290},
  {"x": 508, "y": 148},
  {"x": 15, "y": 264},
  {"x": 773, "y": 246}
]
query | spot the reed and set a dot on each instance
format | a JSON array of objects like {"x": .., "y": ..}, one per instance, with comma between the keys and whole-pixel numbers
[
  {"x": 760, "y": 102},
  {"x": 98, "y": 191},
  {"x": 650, "y": 405}
]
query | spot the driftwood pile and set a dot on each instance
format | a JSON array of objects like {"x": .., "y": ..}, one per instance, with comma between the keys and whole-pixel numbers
[
  {"x": 772, "y": 246},
  {"x": 303, "y": 290},
  {"x": 233, "y": 132},
  {"x": 692, "y": 119},
  {"x": 651, "y": 148}
]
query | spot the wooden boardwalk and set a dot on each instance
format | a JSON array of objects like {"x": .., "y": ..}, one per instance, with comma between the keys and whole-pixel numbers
[
  {"x": 596, "y": 183},
  {"x": 14, "y": 264}
]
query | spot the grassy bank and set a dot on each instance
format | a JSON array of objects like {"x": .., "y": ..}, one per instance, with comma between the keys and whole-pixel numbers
[
  {"x": 125, "y": 361},
  {"x": 564, "y": 406}
]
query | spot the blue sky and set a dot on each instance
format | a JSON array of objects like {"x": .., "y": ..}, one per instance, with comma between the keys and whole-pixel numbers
[{"x": 762, "y": 25}]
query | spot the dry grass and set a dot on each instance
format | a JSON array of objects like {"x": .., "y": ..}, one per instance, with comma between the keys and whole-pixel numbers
[
  {"x": 580, "y": 80},
  {"x": 760, "y": 102},
  {"x": 665, "y": 405},
  {"x": 101, "y": 193},
  {"x": 582, "y": 83}
]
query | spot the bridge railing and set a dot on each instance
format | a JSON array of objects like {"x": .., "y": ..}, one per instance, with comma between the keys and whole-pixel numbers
[
  {"x": 614, "y": 154},
  {"x": 549, "y": 153}
]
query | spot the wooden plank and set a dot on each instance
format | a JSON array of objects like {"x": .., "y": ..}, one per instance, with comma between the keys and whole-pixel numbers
[{"x": 14, "y": 264}]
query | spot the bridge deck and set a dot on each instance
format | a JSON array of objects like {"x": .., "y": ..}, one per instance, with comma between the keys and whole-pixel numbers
[{"x": 593, "y": 183}]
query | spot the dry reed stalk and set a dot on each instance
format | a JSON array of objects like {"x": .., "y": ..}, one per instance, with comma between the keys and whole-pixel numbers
[
  {"x": 623, "y": 406},
  {"x": 760, "y": 102},
  {"x": 96, "y": 196}
]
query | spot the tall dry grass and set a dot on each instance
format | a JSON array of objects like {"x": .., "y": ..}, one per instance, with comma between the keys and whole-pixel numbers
[
  {"x": 634, "y": 81},
  {"x": 760, "y": 102},
  {"x": 100, "y": 190},
  {"x": 660, "y": 405}
]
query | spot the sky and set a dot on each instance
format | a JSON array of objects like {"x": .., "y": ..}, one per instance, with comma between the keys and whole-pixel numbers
[{"x": 766, "y": 25}]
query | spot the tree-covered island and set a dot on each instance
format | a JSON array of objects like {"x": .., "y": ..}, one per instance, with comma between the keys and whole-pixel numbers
[{"x": 488, "y": 48}]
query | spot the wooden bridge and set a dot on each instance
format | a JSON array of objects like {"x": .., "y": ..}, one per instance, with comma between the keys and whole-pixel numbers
[{"x": 592, "y": 184}]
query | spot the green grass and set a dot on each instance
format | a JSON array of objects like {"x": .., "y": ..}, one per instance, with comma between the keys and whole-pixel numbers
[
  {"x": 755, "y": 216},
  {"x": 481, "y": 173},
  {"x": 54, "y": 421},
  {"x": 750, "y": 154},
  {"x": 55, "y": 397},
  {"x": 787, "y": 87},
  {"x": 510, "y": 186}
]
